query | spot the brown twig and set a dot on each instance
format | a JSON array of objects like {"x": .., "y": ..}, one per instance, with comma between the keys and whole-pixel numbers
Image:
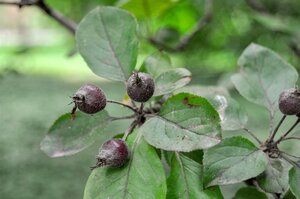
[
  {"x": 61, "y": 19},
  {"x": 184, "y": 41}
]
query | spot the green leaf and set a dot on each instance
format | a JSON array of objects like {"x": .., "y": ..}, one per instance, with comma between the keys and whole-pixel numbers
[
  {"x": 263, "y": 76},
  {"x": 294, "y": 181},
  {"x": 68, "y": 137},
  {"x": 185, "y": 180},
  {"x": 106, "y": 39},
  {"x": 157, "y": 63},
  {"x": 275, "y": 178},
  {"x": 142, "y": 177},
  {"x": 234, "y": 160},
  {"x": 232, "y": 115},
  {"x": 186, "y": 122},
  {"x": 171, "y": 80},
  {"x": 249, "y": 193},
  {"x": 146, "y": 8}
]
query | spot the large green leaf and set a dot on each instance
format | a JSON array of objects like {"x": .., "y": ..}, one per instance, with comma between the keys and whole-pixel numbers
[
  {"x": 263, "y": 76},
  {"x": 232, "y": 115},
  {"x": 275, "y": 178},
  {"x": 186, "y": 180},
  {"x": 171, "y": 80},
  {"x": 234, "y": 160},
  {"x": 67, "y": 136},
  {"x": 294, "y": 181},
  {"x": 249, "y": 193},
  {"x": 186, "y": 122},
  {"x": 142, "y": 177},
  {"x": 106, "y": 39},
  {"x": 146, "y": 8}
]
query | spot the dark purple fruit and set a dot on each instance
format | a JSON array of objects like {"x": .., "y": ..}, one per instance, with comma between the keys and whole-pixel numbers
[
  {"x": 289, "y": 101},
  {"x": 140, "y": 87},
  {"x": 113, "y": 153},
  {"x": 89, "y": 99}
]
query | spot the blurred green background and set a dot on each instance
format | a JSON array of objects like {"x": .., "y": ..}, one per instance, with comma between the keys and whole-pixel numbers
[{"x": 37, "y": 75}]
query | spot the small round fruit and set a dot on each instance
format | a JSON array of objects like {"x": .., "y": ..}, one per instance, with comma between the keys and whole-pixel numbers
[
  {"x": 140, "y": 87},
  {"x": 89, "y": 99},
  {"x": 289, "y": 101},
  {"x": 113, "y": 153}
]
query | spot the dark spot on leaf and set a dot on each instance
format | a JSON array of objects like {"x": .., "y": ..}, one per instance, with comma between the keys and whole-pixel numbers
[{"x": 186, "y": 101}]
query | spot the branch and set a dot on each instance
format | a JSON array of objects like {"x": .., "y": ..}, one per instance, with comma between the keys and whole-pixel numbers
[
  {"x": 61, "y": 19},
  {"x": 257, "y": 6},
  {"x": 184, "y": 41}
]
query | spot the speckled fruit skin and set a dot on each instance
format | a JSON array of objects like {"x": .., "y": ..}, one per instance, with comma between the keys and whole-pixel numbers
[
  {"x": 140, "y": 87},
  {"x": 289, "y": 101},
  {"x": 113, "y": 153},
  {"x": 90, "y": 99}
]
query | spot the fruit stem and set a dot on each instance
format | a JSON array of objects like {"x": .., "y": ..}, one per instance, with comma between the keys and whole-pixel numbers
[
  {"x": 291, "y": 138},
  {"x": 284, "y": 135},
  {"x": 130, "y": 129},
  {"x": 252, "y": 135},
  {"x": 73, "y": 115},
  {"x": 122, "y": 118},
  {"x": 276, "y": 129},
  {"x": 141, "y": 108},
  {"x": 293, "y": 156},
  {"x": 292, "y": 162},
  {"x": 120, "y": 103}
]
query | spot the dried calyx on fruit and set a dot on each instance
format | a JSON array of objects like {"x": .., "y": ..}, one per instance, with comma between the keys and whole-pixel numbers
[
  {"x": 289, "y": 101},
  {"x": 140, "y": 87},
  {"x": 113, "y": 153},
  {"x": 89, "y": 99}
]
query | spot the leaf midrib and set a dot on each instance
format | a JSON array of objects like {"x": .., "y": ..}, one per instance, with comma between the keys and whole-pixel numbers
[
  {"x": 186, "y": 190},
  {"x": 185, "y": 129},
  {"x": 111, "y": 46},
  {"x": 224, "y": 170}
]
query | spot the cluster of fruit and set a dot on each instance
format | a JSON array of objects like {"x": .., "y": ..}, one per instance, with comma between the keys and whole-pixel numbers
[{"x": 90, "y": 99}]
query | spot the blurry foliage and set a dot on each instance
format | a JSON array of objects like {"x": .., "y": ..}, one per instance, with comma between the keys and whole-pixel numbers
[{"x": 215, "y": 48}]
